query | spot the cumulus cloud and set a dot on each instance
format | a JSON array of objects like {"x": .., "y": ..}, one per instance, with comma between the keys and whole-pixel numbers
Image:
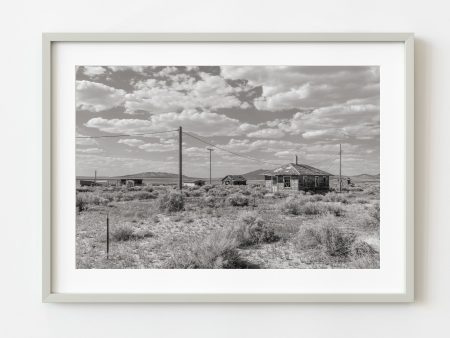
[
  {"x": 196, "y": 152},
  {"x": 131, "y": 142},
  {"x": 95, "y": 97},
  {"x": 202, "y": 123},
  {"x": 286, "y": 87},
  {"x": 270, "y": 113},
  {"x": 93, "y": 71},
  {"x": 90, "y": 150},
  {"x": 267, "y": 133},
  {"x": 158, "y": 147},
  {"x": 137, "y": 69},
  {"x": 177, "y": 92},
  {"x": 247, "y": 146},
  {"x": 336, "y": 122}
]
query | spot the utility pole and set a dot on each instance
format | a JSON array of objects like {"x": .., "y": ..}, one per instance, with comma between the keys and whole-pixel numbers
[
  {"x": 210, "y": 150},
  {"x": 180, "y": 158},
  {"x": 340, "y": 167},
  {"x": 95, "y": 177}
]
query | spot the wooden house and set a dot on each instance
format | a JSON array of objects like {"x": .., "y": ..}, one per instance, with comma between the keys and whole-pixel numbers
[
  {"x": 234, "y": 180},
  {"x": 296, "y": 177}
]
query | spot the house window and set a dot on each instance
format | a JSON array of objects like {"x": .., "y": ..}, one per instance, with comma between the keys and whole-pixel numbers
[
  {"x": 274, "y": 180},
  {"x": 287, "y": 181},
  {"x": 280, "y": 179}
]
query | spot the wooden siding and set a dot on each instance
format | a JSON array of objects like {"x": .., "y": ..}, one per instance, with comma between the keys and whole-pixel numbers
[{"x": 301, "y": 182}]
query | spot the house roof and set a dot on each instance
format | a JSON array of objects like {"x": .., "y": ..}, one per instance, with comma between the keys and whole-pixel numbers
[
  {"x": 296, "y": 169},
  {"x": 235, "y": 177}
]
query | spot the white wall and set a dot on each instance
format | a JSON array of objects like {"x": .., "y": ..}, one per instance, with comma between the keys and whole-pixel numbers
[{"x": 23, "y": 315}]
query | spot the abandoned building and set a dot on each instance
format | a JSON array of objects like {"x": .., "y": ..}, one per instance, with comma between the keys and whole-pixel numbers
[
  {"x": 198, "y": 183},
  {"x": 130, "y": 181},
  {"x": 296, "y": 177},
  {"x": 234, "y": 180}
]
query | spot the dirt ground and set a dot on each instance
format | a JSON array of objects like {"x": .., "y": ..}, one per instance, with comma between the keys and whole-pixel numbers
[{"x": 142, "y": 235}]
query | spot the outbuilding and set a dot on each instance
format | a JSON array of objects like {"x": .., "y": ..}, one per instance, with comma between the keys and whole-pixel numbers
[
  {"x": 198, "y": 183},
  {"x": 234, "y": 180},
  {"x": 296, "y": 177}
]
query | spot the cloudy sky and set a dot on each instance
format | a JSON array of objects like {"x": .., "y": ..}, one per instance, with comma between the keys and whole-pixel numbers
[{"x": 268, "y": 113}]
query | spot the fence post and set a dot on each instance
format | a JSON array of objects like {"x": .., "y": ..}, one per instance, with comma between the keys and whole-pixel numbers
[{"x": 107, "y": 235}]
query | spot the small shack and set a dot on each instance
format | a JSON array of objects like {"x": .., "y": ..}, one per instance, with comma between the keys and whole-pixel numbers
[
  {"x": 95, "y": 182},
  {"x": 130, "y": 181},
  {"x": 195, "y": 183},
  {"x": 296, "y": 177},
  {"x": 234, "y": 180}
]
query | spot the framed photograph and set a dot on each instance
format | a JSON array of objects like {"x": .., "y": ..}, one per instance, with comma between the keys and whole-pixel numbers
[{"x": 228, "y": 167}]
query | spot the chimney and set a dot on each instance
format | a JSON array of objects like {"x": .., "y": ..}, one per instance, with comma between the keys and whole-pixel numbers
[{"x": 296, "y": 159}]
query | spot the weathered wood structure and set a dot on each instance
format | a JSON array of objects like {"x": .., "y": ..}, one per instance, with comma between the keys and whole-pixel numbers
[
  {"x": 130, "y": 181},
  {"x": 296, "y": 177},
  {"x": 234, "y": 180}
]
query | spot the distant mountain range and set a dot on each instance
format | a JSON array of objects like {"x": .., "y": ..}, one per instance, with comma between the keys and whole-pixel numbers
[
  {"x": 361, "y": 176},
  {"x": 367, "y": 176},
  {"x": 256, "y": 174},
  {"x": 252, "y": 175},
  {"x": 155, "y": 174}
]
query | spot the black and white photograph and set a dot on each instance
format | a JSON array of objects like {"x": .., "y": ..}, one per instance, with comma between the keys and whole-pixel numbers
[{"x": 227, "y": 167}]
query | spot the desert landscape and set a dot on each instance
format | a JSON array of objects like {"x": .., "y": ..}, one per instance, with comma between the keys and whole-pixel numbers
[{"x": 218, "y": 226}]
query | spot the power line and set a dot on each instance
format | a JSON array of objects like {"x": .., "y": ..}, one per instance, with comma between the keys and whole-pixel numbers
[
  {"x": 125, "y": 135},
  {"x": 319, "y": 162},
  {"x": 330, "y": 166},
  {"x": 229, "y": 151}
]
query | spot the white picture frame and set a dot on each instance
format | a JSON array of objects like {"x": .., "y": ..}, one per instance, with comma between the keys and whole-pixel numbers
[{"x": 48, "y": 293}]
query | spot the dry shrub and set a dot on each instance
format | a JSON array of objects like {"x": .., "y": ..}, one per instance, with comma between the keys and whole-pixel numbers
[
  {"x": 372, "y": 190},
  {"x": 143, "y": 233},
  {"x": 305, "y": 205},
  {"x": 313, "y": 208},
  {"x": 291, "y": 206},
  {"x": 246, "y": 192},
  {"x": 375, "y": 212},
  {"x": 144, "y": 195},
  {"x": 171, "y": 202},
  {"x": 148, "y": 188},
  {"x": 210, "y": 201},
  {"x": 123, "y": 233},
  {"x": 127, "y": 233},
  {"x": 361, "y": 249},
  {"x": 336, "y": 241},
  {"x": 335, "y": 209},
  {"x": 238, "y": 200},
  {"x": 280, "y": 194},
  {"x": 216, "y": 251},
  {"x": 252, "y": 230},
  {"x": 309, "y": 238},
  {"x": 89, "y": 198},
  {"x": 81, "y": 203},
  {"x": 361, "y": 201},
  {"x": 195, "y": 193},
  {"x": 316, "y": 198},
  {"x": 218, "y": 191},
  {"x": 334, "y": 197},
  {"x": 327, "y": 237},
  {"x": 207, "y": 187}
]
